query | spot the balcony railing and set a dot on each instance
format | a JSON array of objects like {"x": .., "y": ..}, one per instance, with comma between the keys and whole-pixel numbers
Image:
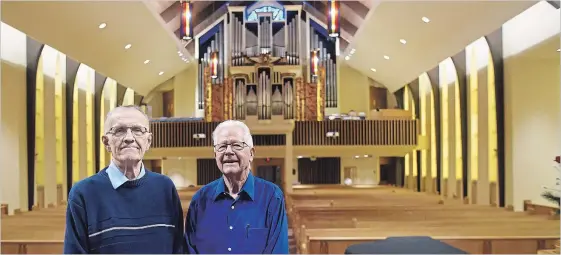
[
  {"x": 198, "y": 133},
  {"x": 355, "y": 132}
]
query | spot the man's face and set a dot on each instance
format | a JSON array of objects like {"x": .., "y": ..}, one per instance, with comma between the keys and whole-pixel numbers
[
  {"x": 127, "y": 138},
  {"x": 232, "y": 155}
]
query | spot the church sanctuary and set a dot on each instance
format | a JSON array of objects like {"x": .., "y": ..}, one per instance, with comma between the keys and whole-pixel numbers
[{"x": 390, "y": 126}]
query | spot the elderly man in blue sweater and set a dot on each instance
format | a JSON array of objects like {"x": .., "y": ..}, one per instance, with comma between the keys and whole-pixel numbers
[
  {"x": 237, "y": 213},
  {"x": 125, "y": 208}
]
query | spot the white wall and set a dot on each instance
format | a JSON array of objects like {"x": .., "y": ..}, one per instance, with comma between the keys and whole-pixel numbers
[
  {"x": 13, "y": 136},
  {"x": 182, "y": 171},
  {"x": 532, "y": 103}
]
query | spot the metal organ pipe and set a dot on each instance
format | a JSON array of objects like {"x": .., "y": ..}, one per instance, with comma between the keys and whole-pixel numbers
[{"x": 239, "y": 42}]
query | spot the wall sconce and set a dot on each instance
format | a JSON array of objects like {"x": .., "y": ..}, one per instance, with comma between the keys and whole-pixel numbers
[
  {"x": 199, "y": 136},
  {"x": 185, "y": 26},
  {"x": 332, "y": 134},
  {"x": 214, "y": 65},
  {"x": 333, "y": 18}
]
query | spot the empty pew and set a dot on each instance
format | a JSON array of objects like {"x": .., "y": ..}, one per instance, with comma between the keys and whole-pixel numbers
[{"x": 327, "y": 220}]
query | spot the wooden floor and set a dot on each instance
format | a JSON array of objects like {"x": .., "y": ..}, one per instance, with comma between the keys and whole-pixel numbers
[{"x": 327, "y": 219}]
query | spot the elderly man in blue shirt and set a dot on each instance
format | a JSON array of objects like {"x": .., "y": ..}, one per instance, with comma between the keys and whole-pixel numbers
[{"x": 237, "y": 213}]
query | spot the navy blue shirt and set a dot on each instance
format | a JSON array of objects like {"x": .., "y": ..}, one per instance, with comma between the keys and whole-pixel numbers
[
  {"x": 253, "y": 223},
  {"x": 105, "y": 215}
]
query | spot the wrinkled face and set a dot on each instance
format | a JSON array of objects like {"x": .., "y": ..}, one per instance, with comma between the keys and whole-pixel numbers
[
  {"x": 232, "y": 155},
  {"x": 127, "y": 137}
]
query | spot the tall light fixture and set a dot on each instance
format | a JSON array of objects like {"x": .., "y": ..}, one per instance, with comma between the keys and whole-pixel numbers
[
  {"x": 214, "y": 65},
  {"x": 333, "y": 18},
  {"x": 314, "y": 62},
  {"x": 186, "y": 26}
]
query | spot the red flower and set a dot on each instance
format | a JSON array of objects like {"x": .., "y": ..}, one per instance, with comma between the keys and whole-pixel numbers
[{"x": 558, "y": 159}]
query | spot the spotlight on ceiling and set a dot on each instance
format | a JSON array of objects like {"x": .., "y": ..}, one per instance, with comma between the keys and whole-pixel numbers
[
  {"x": 102, "y": 25},
  {"x": 128, "y": 46},
  {"x": 373, "y": 69},
  {"x": 558, "y": 50},
  {"x": 161, "y": 73},
  {"x": 425, "y": 19},
  {"x": 402, "y": 41},
  {"x": 347, "y": 58},
  {"x": 386, "y": 57},
  {"x": 147, "y": 61}
]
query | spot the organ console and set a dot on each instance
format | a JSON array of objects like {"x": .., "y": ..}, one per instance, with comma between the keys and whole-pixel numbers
[{"x": 266, "y": 61}]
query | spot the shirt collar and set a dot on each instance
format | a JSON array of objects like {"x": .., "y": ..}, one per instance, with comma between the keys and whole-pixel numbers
[
  {"x": 248, "y": 187},
  {"x": 117, "y": 177}
]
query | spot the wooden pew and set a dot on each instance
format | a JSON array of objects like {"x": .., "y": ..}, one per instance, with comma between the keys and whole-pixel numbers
[
  {"x": 3, "y": 209},
  {"x": 327, "y": 220},
  {"x": 42, "y": 231}
]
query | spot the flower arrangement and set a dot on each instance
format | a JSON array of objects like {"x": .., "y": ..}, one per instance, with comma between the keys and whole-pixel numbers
[{"x": 552, "y": 194}]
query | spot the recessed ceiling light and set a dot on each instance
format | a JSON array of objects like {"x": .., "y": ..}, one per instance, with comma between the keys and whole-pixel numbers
[
  {"x": 425, "y": 19},
  {"x": 347, "y": 58},
  {"x": 161, "y": 73},
  {"x": 402, "y": 41},
  {"x": 373, "y": 69},
  {"x": 353, "y": 51},
  {"x": 558, "y": 50},
  {"x": 386, "y": 57},
  {"x": 147, "y": 61},
  {"x": 128, "y": 46},
  {"x": 102, "y": 25}
]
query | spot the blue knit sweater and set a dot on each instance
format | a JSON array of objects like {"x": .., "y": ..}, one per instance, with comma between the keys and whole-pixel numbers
[{"x": 141, "y": 216}]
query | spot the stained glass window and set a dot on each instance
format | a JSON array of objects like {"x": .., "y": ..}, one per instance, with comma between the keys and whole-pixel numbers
[{"x": 278, "y": 14}]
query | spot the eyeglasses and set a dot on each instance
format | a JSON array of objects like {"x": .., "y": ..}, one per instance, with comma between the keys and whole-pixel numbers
[
  {"x": 237, "y": 146},
  {"x": 122, "y": 131}
]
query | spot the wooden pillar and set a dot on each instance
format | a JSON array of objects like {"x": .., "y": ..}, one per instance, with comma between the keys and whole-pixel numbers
[{"x": 288, "y": 160}]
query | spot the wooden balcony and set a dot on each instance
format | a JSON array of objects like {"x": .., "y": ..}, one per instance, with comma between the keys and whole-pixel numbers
[
  {"x": 174, "y": 133},
  {"x": 355, "y": 132}
]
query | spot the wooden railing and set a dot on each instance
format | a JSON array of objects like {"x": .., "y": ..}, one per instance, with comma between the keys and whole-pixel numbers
[
  {"x": 168, "y": 134},
  {"x": 355, "y": 132}
]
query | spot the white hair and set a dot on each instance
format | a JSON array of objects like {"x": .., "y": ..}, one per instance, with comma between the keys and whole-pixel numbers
[
  {"x": 107, "y": 124},
  {"x": 247, "y": 138}
]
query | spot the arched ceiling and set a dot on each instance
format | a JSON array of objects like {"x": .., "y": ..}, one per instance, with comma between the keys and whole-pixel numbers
[{"x": 372, "y": 28}]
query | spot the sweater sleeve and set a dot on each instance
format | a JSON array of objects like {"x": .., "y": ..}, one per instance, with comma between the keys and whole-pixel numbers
[
  {"x": 179, "y": 244},
  {"x": 76, "y": 233}
]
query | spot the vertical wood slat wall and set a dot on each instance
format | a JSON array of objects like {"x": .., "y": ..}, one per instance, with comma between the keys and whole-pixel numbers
[
  {"x": 207, "y": 171},
  {"x": 319, "y": 171},
  {"x": 356, "y": 132},
  {"x": 351, "y": 132}
]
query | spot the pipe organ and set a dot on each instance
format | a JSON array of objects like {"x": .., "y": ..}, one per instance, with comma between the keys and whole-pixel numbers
[{"x": 254, "y": 62}]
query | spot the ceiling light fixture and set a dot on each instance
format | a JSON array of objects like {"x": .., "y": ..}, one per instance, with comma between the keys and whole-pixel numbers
[
  {"x": 102, "y": 25},
  {"x": 353, "y": 51},
  {"x": 347, "y": 58},
  {"x": 425, "y": 19},
  {"x": 558, "y": 50},
  {"x": 373, "y": 69},
  {"x": 128, "y": 46},
  {"x": 402, "y": 41},
  {"x": 147, "y": 61},
  {"x": 386, "y": 57},
  {"x": 161, "y": 73}
]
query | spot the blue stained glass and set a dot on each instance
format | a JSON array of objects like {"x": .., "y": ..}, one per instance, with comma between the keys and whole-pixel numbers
[{"x": 278, "y": 14}]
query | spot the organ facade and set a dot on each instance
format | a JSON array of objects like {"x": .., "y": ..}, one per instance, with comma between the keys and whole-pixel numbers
[{"x": 266, "y": 61}]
